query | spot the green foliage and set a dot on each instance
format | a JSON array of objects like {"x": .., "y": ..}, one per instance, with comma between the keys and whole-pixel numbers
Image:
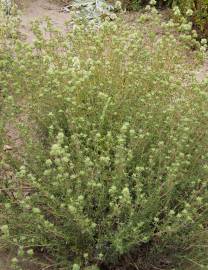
[
  {"x": 132, "y": 5},
  {"x": 115, "y": 148},
  {"x": 198, "y": 8},
  {"x": 199, "y": 14}
]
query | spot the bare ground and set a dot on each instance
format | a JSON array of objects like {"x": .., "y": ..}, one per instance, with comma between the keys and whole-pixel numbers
[
  {"x": 202, "y": 73},
  {"x": 39, "y": 9}
]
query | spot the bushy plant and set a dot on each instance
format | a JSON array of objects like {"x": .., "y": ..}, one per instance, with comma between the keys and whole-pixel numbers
[
  {"x": 115, "y": 149},
  {"x": 195, "y": 11}
]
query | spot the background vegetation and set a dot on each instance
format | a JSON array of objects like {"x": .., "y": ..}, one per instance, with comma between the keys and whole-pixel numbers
[{"x": 198, "y": 14}]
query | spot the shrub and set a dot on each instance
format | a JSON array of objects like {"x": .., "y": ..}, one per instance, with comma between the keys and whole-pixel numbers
[
  {"x": 115, "y": 149},
  {"x": 195, "y": 11}
]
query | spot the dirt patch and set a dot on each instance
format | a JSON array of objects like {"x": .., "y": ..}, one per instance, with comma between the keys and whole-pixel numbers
[
  {"x": 202, "y": 73},
  {"x": 4, "y": 261},
  {"x": 38, "y": 10}
]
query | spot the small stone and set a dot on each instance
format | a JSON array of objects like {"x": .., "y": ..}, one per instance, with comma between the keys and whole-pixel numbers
[{"x": 7, "y": 147}]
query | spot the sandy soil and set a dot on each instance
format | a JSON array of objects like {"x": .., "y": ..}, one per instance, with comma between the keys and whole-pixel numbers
[
  {"x": 39, "y": 9},
  {"x": 4, "y": 261},
  {"x": 202, "y": 73}
]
